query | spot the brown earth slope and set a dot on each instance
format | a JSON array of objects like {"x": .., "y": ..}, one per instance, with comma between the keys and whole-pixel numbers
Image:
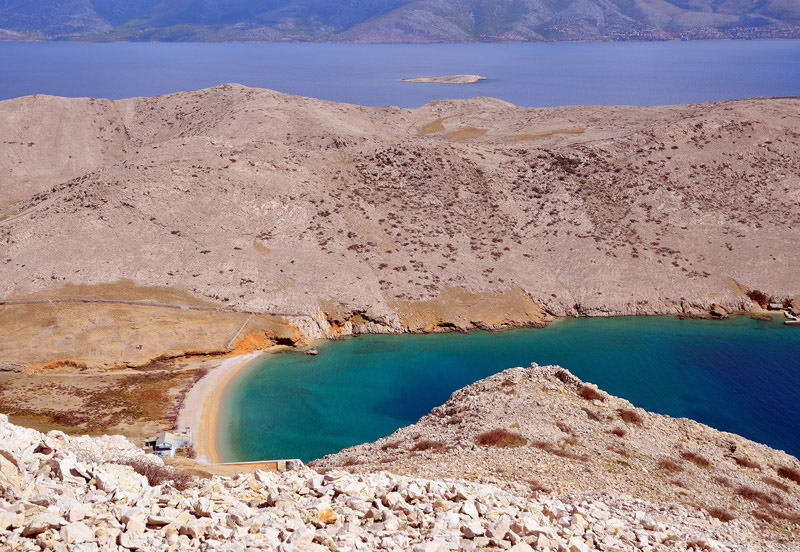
[{"x": 338, "y": 218}]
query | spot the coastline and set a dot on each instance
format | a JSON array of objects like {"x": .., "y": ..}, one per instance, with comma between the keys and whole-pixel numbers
[{"x": 201, "y": 406}]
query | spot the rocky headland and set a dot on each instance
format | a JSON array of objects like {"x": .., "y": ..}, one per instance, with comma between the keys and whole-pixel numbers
[
  {"x": 542, "y": 429},
  {"x": 89, "y": 494}
]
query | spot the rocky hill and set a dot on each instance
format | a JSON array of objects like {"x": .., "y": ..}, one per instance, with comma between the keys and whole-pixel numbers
[
  {"x": 397, "y": 20},
  {"x": 541, "y": 428},
  {"x": 80, "y": 493},
  {"x": 142, "y": 220}
]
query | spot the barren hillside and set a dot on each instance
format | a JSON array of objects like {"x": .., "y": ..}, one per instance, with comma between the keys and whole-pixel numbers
[{"x": 340, "y": 218}]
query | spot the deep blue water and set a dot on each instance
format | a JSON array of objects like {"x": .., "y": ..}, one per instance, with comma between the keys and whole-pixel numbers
[
  {"x": 738, "y": 375},
  {"x": 539, "y": 74}
]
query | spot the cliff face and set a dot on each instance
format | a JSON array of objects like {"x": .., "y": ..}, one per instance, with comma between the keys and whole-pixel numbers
[
  {"x": 542, "y": 428},
  {"x": 344, "y": 219},
  {"x": 81, "y": 493}
]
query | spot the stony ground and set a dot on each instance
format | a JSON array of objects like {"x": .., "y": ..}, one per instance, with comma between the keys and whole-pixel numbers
[
  {"x": 542, "y": 428},
  {"x": 457, "y": 214},
  {"x": 91, "y": 494}
]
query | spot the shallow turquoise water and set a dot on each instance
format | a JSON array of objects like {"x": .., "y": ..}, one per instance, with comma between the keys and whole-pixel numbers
[{"x": 738, "y": 375}]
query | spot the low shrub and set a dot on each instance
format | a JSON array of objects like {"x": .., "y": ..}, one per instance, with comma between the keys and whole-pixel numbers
[
  {"x": 630, "y": 416},
  {"x": 759, "y": 297},
  {"x": 696, "y": 459},
  {"x": 158, "y": 474},
  {"x": 670, "y": 465},
  {"x": 564, "y": 377},
  {"x": 775, "y": 483},
  {"x": 746, "y": 463},
  {"x": 621, "y": 451},
  {"x": 591, "y": 414},
  {"x": 427, "y": 444},
  {"x": 390, "y": 445},
  {"x": 721, "y": 514},
  {"x": 500, "y": 438},
  {"x": 68, "y": 419},
  {"x": 762, "y": 516},
  {"x": 565, "y": 428},
  {"x": 507, "y": 383},
  {"x": 536, "y": 487},
  {"x": 547, "y": 447},
  {"x": 618, "y": 431},
  {"x": 748, "y": 493},
  {"x": 791, "y": 517},
  {"x": 590, "y": 394},
  {"x": 723, "y": 481},
  {"x": 789, "y": 473},
  {"x": 351, "y": 462}
]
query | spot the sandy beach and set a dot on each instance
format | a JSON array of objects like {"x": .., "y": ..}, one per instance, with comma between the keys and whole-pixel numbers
[{"x": 202, "y": 403}]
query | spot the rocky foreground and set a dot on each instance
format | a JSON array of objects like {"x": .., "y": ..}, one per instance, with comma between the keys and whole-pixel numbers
[
  {"x": 542, "y": 428},
  {"x": 88, "y": 494}
]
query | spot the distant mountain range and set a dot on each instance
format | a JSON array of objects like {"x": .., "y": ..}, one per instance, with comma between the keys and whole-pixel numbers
[{"x": 396, "y": 20}]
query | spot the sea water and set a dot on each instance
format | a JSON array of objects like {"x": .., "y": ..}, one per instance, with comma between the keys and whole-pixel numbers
[
  {"x": 535, "y": 74},
  {"x": 738, "y": 375}
]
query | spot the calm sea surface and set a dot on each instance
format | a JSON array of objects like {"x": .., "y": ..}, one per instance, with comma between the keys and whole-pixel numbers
[
  {"x": 633, "y": 73},
  {"x": 738, "y": 375}
]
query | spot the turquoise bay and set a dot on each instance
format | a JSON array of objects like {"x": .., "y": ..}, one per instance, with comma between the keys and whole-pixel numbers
[{"x": 738, "y": 375}]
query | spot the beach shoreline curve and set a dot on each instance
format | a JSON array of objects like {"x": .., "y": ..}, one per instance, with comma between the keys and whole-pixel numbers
[{"x": 201, "y": 407}]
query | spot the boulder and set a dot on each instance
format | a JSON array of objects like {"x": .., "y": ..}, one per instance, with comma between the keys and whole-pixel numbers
[
  {"x": 43, "y": 522},
  {"x": 472, "y": 529},
  {"x": 11, "y": 474},
  {"x": 76, "y": 532}
]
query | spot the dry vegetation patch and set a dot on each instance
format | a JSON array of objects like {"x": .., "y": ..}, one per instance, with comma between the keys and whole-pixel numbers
[
  {"x": 670, "y": 465},
  {"x": 590, "y": 393},
  {"x": 501, "y": 438},
  {"x": 696, "y": 459},
  {"x": 158, "y": 474},
  {"x": 427, "y": 444},
  {"x": 630, "y": 416},
  {"x": 789, "y": 473},
  {"x": 746, "y": 463},
  {"x": 721, "y": 514}
]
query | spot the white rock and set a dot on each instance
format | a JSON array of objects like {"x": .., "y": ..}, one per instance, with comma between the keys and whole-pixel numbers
[
  {"x": 301, "y": 537},
  {"x": 77, "y": 512},
  {"x": 10, "y": 519},
  {"x": 43, "y": 522},
  {"x": 76, "y": 532},
  {"x": 472, "y": 529},
  {"x": 469, "y": 509},
  {"x": 436, "y": 545},
  {"x": 132, "y": 541},
  {"x": 10, "y": 472},
  {"x": 576, "y": 544}
]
